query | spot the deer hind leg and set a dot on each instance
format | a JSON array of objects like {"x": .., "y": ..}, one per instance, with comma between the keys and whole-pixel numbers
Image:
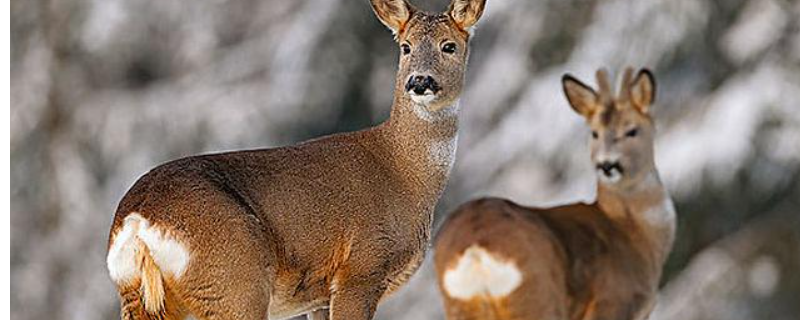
[
  {"x": 241, "y": 304},
  {"x": 163, "y": 276},
  {"x": 486, "y": 308},
  {"x": 140, "y": 280},
  {"x": 133, "y": 306},
  {"x": 230, "y": 275},
  {"x": 475, "y": 309}
]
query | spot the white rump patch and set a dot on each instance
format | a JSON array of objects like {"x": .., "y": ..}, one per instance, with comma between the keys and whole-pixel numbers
[
  {"x": 169, "y": 255},
  {"x": 121, "y": 257},
  {"x": 478, "y": 273}
]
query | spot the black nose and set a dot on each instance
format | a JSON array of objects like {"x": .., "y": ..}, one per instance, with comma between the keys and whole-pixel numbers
[
  {"x": 421, "y": 83},
  {"x": 608, "y": 166}
]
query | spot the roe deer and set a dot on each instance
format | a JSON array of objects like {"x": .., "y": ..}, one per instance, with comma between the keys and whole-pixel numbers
[
  {"x": 496, "y": 259},
  {"x": 334, "y": 223}
]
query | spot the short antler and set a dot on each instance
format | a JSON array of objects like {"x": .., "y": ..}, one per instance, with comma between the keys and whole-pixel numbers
[
  {"x": 625, "y": 86},
  {"x": 604, "y": 86}
]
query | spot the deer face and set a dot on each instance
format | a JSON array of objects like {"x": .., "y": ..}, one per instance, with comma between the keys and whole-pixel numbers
[
  {"x": 433, "y": 48},
  {"x": 622, "y": 130}
]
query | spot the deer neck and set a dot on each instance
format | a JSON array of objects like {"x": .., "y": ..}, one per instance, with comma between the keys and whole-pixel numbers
[
  {"x": 647, "y": 205},
  {"x": 421, "y": 145}
]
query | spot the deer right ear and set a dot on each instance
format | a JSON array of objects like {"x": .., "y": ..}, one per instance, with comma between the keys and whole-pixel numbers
[
  {"x": 466, "y": 13},
  {"x": 582, "y": 98},
  {"x": 393, "y": 13}
]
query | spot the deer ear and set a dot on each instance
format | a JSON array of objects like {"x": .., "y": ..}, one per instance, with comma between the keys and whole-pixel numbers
[
  {"x": 643, "y": 91},
  {"x": 466, "y": 12},
  {"x": 582, "y": 98},
  {"x": 393, "y": 13}
]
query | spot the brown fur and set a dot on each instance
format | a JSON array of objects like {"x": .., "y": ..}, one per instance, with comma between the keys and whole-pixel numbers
[
  {"x": 579, "y": 261},
  {"x": 336, "y": 222}
]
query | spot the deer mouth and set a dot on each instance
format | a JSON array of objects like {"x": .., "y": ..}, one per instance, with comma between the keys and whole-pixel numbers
[
  {"x": 609, "y": 172},
  {"x": 425, "y": 98},
  {"x": 422, "y": 89}
]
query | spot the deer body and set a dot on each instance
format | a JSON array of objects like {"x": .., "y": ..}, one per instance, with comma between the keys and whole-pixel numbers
[
  {"x": 333, "y": 223},
  {"x": 580, "y": 261}
]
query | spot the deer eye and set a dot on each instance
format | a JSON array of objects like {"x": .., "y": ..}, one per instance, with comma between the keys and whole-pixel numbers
[
  {"x": 449, "y": 47},
  {"x": 632, "y": 132},
  {"x": 406, "y": 48},
  {"x": 594, "y": 134}
]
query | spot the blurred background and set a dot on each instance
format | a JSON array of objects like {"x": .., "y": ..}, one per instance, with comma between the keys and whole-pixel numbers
[{"x": 104, "y": 90}]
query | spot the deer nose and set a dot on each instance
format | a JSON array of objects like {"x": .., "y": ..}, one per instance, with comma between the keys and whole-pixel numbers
[
  {"x": 420, "y": 84},
  {"x": 608, "y": 167}
]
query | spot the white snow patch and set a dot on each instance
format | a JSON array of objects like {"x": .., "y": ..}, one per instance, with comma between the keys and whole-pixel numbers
[
  {"x": 721, "y": 136},
  {"x": 757, "y": 28},
  {"x": 105, "y": 19}
]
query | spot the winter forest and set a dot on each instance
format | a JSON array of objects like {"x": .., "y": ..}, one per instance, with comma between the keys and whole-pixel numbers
[{"x": 104, "y": 90}]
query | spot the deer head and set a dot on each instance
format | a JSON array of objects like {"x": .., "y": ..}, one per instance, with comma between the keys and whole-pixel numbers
[
  {"x": 622, "y": 128},
  {"x": 433, "y": 49}
]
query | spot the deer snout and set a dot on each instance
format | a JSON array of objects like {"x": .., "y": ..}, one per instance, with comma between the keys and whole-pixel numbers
[
  {"x": 420, "y": 85},
  {"x": 608, "y": 167}
]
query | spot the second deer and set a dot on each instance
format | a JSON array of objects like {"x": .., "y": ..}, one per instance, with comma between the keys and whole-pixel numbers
[{"x": 496, "y": 259}]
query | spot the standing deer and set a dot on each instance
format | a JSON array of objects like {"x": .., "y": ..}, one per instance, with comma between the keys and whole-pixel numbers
[
  {"x": 333, "y": 223},
  {"x": 496, "y": 259}
]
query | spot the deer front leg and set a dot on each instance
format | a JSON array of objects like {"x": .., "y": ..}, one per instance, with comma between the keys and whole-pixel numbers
[
  {"x": 647, "y": 308},
  {"x": 356, "y": 301},
  {"x": 637, "y": 307},
  {"x": 319, "y": 314}
]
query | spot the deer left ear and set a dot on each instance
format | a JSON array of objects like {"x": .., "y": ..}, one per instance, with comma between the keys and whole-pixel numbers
[
  {"x": 643, "y": 90},
  {"x": 466, "y": 13}
]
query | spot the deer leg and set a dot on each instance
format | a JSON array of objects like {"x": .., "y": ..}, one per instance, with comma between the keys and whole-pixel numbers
[
  {"x": 319, "y": 314},
  {"x": 634, "y": 308},
  {"x": 356, "y": 302}
]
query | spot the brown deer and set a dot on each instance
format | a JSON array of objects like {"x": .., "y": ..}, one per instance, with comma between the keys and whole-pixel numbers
[
  {"x": 496, "y": 259},
  {"x": 333, "y": 223}
]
